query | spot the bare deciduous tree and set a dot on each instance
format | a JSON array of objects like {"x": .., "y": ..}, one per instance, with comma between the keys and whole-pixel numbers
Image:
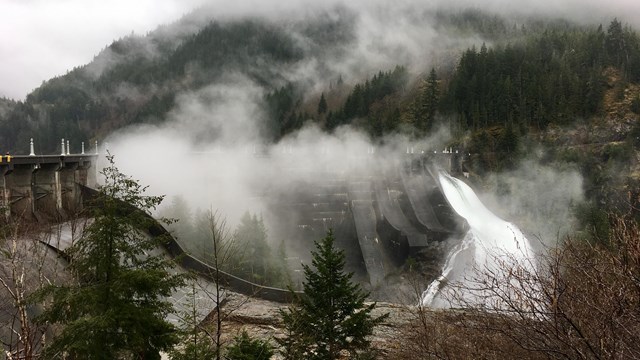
[
  {"x": 222, "y": 255},
  {"x": 581, "y": 301},
  {"x": 26, "y": 264}
]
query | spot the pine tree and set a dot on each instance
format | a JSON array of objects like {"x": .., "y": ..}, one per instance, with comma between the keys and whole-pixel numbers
[
  {"x": 615, "y": 44},
  {"x": 322, "y": 105},
  {"x": 244, "y": 347},
  {"x": 251, "y": 235},
  {"x": 430, "y": 100},
  {"x": 117, "y": 306},
  {"x": 331, "y": 316}
]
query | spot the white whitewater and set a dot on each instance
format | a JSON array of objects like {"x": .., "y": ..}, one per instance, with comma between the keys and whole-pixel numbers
[{"x": 491, "y": 244}]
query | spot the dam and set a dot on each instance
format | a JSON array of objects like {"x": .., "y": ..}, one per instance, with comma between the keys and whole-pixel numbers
[{"x": 380, "y": 215}]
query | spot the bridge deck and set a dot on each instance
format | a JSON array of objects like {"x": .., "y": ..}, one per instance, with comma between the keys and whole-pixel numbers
[{"x": 45, "y": 159}]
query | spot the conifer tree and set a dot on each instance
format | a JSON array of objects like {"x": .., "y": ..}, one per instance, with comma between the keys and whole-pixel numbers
[
  {"x": 117, "y": 306},
  {"x": 430, "y": 99},
  {"x": 331, "y": 316},
  {"x": 322, "y": 105},
  {"x": 615, "y": 44},
  {"x": 251, "y": 235},
  {"x": 244, "y": 347}
]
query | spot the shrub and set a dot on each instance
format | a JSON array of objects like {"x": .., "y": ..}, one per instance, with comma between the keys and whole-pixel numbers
[{"x": 245, "y": 347}]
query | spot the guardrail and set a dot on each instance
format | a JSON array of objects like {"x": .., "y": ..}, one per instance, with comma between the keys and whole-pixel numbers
[{"x": 188, "y": 262}]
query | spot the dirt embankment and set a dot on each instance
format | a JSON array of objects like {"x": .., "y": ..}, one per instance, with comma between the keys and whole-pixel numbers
[{"x": 261, "y": 319}]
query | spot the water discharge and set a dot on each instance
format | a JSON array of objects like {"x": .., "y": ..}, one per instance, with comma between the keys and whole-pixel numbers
[{"x": 491, "y": 245}]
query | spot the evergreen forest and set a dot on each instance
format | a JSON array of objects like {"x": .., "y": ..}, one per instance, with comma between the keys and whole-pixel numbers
[{"x": 509, "y": 89}]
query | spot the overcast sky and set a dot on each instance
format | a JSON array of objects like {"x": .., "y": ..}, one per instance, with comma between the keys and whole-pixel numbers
[{"x": 40, "y": 39}]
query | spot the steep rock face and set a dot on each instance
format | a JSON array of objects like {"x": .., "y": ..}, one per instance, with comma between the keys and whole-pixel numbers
[
  {"x": 619, "y": 97},
  {"x": 605, "y": 147},
  {"x": 613, "y": 126}
]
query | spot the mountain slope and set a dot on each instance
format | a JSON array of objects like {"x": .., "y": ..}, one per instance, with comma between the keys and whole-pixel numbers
[{"x": 136, "y": 79}]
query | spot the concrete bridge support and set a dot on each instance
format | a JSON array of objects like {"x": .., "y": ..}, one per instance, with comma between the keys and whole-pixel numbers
[
  {"x": 44, "y": 187},
  {"x": 69, "y": 178},
  {"x": 18, "y": 181},
  {"x": 46, "y": 191},
  {"x": 86, "y": 173},
  {"x": 5, "y": 194}
]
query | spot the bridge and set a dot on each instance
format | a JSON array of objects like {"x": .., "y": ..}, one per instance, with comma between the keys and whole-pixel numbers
[{"x": 41, "y": 187}]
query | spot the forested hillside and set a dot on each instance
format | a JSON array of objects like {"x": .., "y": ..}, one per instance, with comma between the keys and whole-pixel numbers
[
  {"x": 520, "y": 82},
  {"x": 136, "y": 79},
  {"x": 543, "y": 115}
]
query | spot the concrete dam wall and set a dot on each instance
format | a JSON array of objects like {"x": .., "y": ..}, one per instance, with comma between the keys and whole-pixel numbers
[
  {"x": 379, "y": 219},
  {"x": 380, "y": 215}
]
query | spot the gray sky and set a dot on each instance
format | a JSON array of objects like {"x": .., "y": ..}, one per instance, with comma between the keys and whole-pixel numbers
[{"x": 40, "y": 39}]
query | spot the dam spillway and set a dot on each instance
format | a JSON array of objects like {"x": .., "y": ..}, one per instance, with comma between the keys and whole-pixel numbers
[{"x": 380, "y": 217}]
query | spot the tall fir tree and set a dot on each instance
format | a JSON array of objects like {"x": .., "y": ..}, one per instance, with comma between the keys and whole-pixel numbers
[
  {"x": 251, "y": 235},
  {"x": 430, "y": 101},
  {"x": 331, "y": 316},
  {"x": 117, "y": 306},
  {"x": 615, "y": 43},
  {"x": 322, "y": 105}
]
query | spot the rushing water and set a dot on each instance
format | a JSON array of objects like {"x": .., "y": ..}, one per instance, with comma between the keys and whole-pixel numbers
[{"x": 491, "y": 245}]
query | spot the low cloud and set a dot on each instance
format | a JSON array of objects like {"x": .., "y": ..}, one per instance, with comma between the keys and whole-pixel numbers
[
  {"x": 41, "y": 39},
  {"x": 539, "y": 198},
  {"x": 211, "y": 151}
]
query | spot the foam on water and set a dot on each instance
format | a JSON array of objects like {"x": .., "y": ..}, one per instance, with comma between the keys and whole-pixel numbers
[{"x": 491, "y": 244}]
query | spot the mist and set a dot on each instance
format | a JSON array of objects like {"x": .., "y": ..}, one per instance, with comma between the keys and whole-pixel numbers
[
  {"x": 41, "y": 39},
  {"x": 540, "y": 198},
  {"x": 213, "y": 149}
]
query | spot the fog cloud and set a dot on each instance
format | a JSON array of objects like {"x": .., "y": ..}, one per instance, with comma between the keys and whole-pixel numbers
[
  {"x": 211, "y": 148},
  {"x": 540, "y": 198},
  {"x": 41, "y": 39},
  {"x": 211, "y": 152}
]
